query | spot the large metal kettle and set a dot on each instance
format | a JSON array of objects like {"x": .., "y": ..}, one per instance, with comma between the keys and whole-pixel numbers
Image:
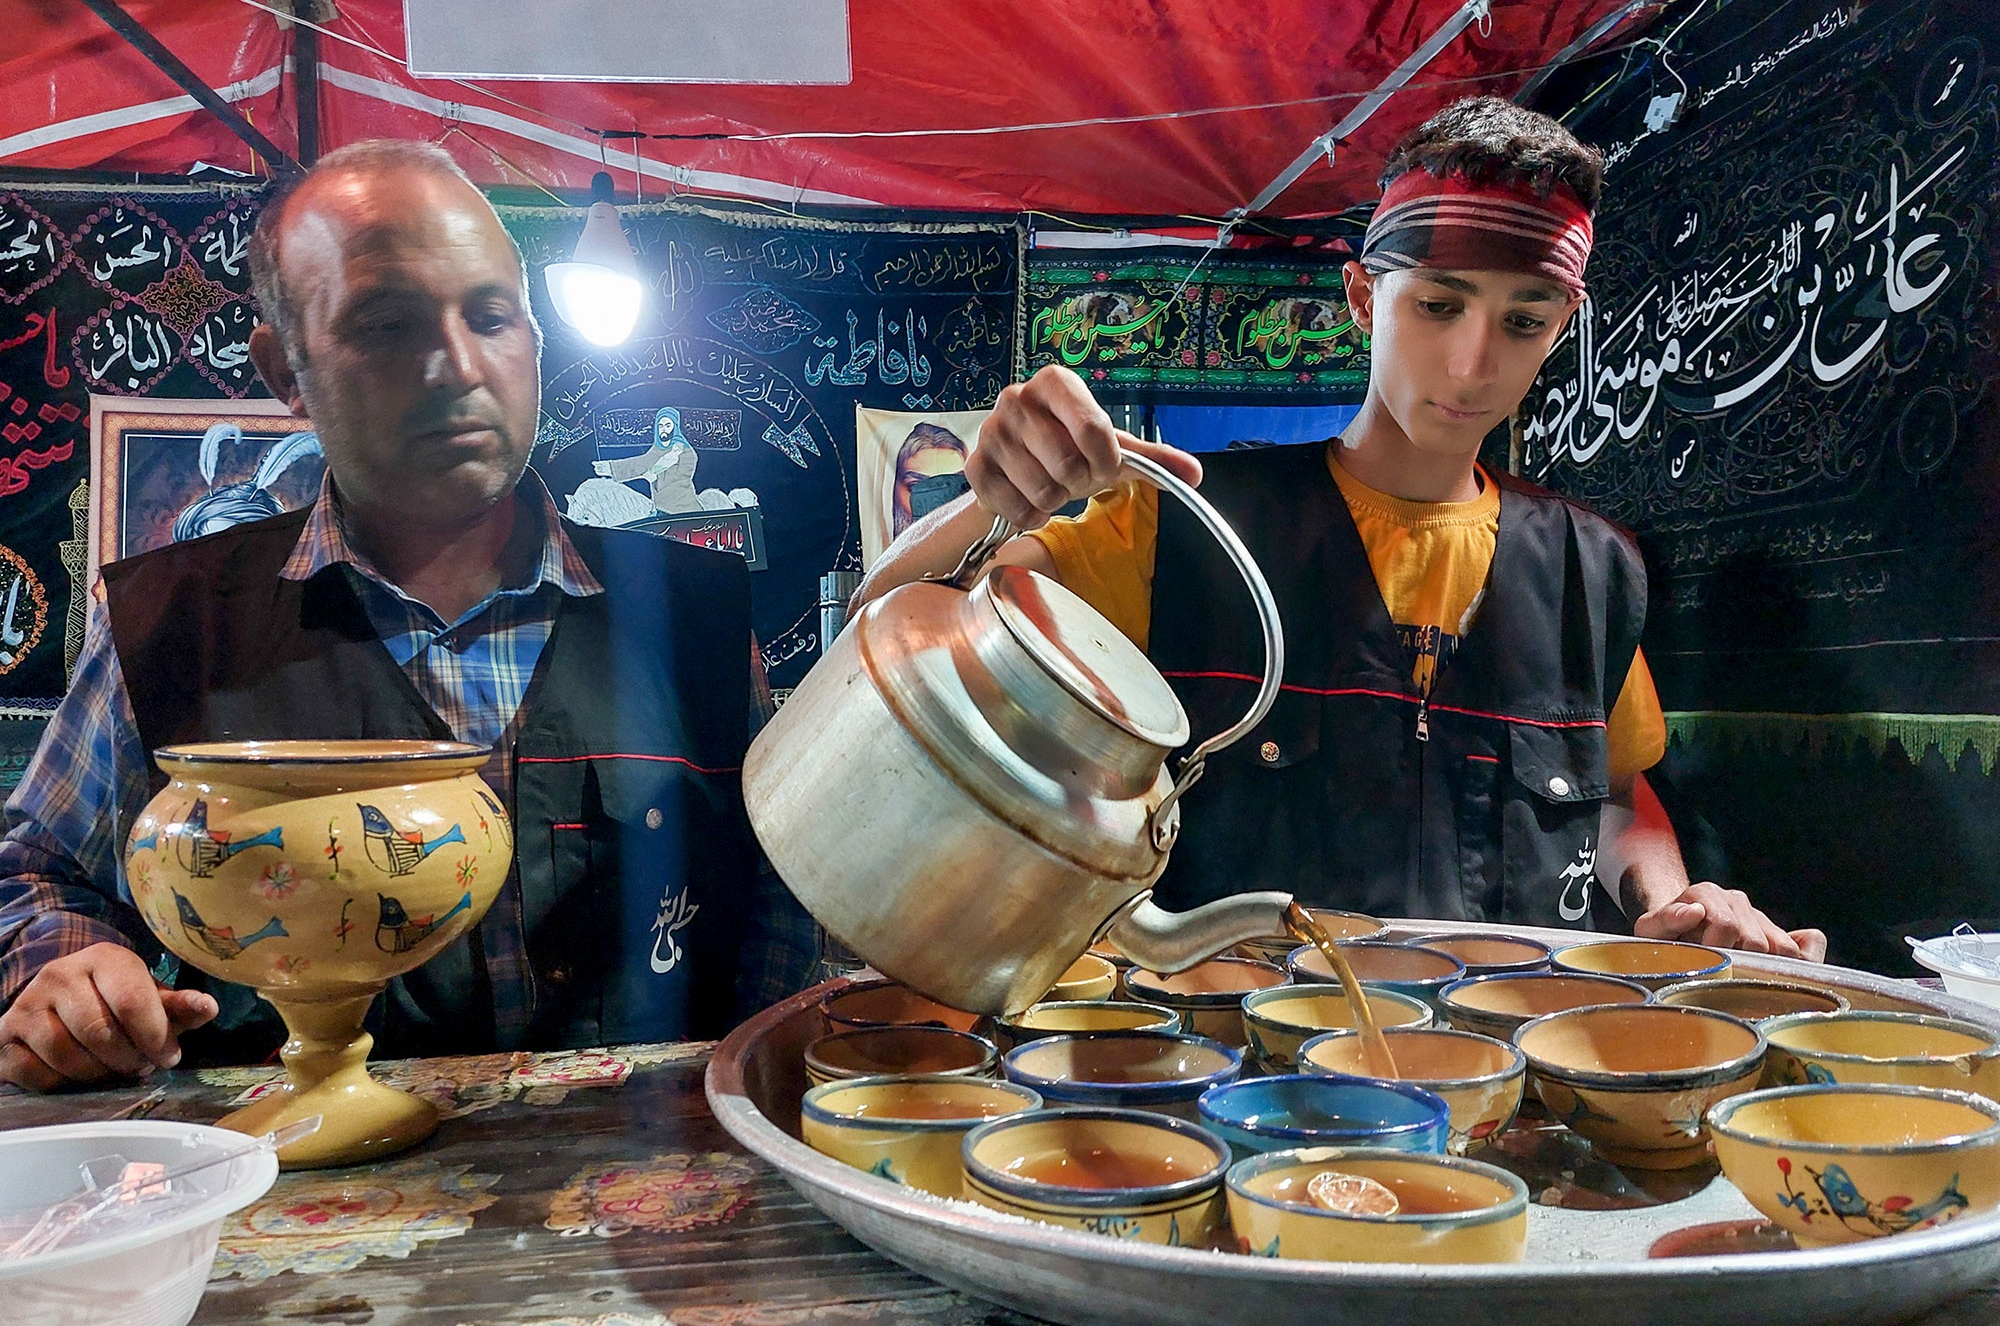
[{"x": 971, "y": 787}]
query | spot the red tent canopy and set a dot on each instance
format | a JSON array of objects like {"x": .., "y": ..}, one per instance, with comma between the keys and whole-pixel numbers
[{"x": 1135, "y": 107}]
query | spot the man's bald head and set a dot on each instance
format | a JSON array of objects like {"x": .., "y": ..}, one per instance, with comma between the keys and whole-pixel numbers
[{"x": 376, "y": 156}]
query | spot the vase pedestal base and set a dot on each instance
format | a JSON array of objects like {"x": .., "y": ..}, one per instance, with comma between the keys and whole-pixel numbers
[{"x": 326, "y": 1062}]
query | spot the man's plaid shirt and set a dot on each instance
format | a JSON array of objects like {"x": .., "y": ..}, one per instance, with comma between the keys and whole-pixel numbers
[{"x": 61, "y": 886}]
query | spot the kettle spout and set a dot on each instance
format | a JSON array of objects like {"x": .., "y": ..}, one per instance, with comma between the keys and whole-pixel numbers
[{"x": 1164, "y": 941}]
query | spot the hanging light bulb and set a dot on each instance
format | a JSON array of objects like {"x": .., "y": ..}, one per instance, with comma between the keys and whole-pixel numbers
[{"x": 597, "y": 291}]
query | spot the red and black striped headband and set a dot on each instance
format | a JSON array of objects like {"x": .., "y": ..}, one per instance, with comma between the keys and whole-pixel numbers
[{"x": 1456, "y": 225}]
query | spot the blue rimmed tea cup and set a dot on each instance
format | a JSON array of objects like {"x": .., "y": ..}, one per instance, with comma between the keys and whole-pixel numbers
[{"x": 1325, "y": 1109}]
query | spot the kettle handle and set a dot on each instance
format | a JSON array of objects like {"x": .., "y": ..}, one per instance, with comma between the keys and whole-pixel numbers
[{"x": 1165, "y": 822}]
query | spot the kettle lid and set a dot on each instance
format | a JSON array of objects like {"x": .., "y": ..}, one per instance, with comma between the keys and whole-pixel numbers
[{"x": 1088, "y": 656}]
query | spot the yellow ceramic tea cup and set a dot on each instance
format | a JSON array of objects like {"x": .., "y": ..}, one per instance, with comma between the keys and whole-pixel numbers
[
  {"x": 1653, "y": 963},
  {"x": 1279, "y": 1022},
  {"x": 875, "y": 1051},
  {"x": 1911, "y": 1049},
  {"x": 1449, "y": 1209},
  {"x": 1089, "y": 977},
  {"x": 1752, "y": 1000},
  {"x": 1498, "y": 1006},
  {"x": 906, "y": 1128},
  {"x": 1208, "y": 997},
  {"x": 1119, "y": 1172},
  {"x": 1637, "y": 1079},
  {"x": 1079, "y": 1016},
  {"x": 1838, "y": 1163},
  {"x": 1480, "y": 1079},
  {"x": 1339, "y": 926}
]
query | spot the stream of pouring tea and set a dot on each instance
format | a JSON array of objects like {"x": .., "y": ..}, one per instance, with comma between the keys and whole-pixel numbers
[{"x": 1374, "y": 1045}]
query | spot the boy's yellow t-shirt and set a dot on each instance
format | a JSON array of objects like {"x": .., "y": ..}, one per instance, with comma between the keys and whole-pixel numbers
[{"x": 1430, "y": 560}]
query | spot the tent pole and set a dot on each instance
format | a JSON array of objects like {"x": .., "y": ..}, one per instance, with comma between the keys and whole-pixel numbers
[
  {"x": 1468, "y": 13},
  {"x": 189, "y": 82},
  {"x": 305, "y": 86}
]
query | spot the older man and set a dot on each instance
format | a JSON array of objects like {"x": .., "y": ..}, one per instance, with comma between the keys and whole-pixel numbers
[{"x": 432, "y": 591}]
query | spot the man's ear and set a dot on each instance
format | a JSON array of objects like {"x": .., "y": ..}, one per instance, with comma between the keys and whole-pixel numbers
[
  {"x": 268, "y": 354},
  {"x": 1360, "y": 296}
]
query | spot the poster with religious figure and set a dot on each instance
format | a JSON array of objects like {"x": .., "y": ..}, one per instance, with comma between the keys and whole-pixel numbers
[{"x": 896, "y": 451}]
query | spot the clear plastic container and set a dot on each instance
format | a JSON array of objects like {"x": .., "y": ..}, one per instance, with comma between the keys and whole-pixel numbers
[
  {"x": 146, "y": 1269},
  {"x": 1968, "y": 962}
]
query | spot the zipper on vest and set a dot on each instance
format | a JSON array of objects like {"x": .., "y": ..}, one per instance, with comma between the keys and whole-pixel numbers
[{"x": 1423, "y": 718}]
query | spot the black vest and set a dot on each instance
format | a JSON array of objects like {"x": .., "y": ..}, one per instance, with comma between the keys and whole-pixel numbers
[
  {"x": 1333, "y": 796},
  {"x": 625, "y": 760}
]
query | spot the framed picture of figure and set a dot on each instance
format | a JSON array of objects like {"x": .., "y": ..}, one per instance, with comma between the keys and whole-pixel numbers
[
  {"x": 906, "y": 465},
  {"x": 166, "y": 470}
]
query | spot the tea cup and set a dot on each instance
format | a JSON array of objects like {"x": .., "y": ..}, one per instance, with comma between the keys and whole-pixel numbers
[
  {"x": 1313, "y": 1109},
  {"x": 1910, "y": 1049},
  {"x": 1089, "y": 977},
  {"x": 1753, "y": 1000},
  {"x": 889, "y": 1004},
  {"x": 1637, "y": 1079},
  {"x": 1341, "y": 927},
  {"x": 1481, "y": 1080},
  {"x": 1125, "y": 1173},
  {"x": 1404, "y": 968},
  {"x": 906, "y": 1128},
  {"x": 1449, "y": 1210},
  {"x": 1653, "y": 963},
  {"x": 875, "y": 1051},
  {"x": 1280, "y": 1021},
  {"x": 1208, "y": 996},
  {"x": 1124, "y": 1069},
  {"x": 1489, "y": 955},
  {"x": 1840, "y": 1162},
  {"x": 1069, "y": 1018},
  {"x": 1498, "y": 1006}
]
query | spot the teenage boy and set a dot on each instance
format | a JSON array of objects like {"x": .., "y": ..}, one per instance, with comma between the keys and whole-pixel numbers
[{"x": 1467, "y": 719}]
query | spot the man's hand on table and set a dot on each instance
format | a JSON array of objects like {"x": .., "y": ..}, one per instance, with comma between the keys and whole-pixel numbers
[
  {"x": 1707, "y": 913},
  {"x": 92, "y": 1014}
]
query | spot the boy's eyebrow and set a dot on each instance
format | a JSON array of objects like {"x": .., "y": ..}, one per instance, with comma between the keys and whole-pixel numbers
[
  {"x": 1527, "y": 294},
  {"x": 1447, "y": 280}
]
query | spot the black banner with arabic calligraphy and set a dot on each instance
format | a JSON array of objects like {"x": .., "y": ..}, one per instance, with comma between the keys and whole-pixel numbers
[
  {"x": 1787, "y": 381},
  {"x": 1151, "y": 324},
  {"x": 125, "y": 294},
  {"x": 1784, "y": 377},
  {"x": 755, "y": 346}
]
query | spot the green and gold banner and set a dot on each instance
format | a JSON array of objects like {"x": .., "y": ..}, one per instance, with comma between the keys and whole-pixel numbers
[{"x": 1167, "y": 322}]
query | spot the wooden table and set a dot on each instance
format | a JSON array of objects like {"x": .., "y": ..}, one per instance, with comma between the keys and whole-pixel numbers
[
  {"x": 584, "y": 1189},
  {"x": 590, "y": 1188}
]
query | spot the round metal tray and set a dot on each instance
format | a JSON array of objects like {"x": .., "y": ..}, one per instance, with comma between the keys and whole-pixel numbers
[{"x": 1589, "y": 1264}]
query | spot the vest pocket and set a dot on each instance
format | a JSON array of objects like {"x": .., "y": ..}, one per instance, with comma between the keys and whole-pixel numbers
[
  {"x": 1561, "y": 765},
  {"x": 1551, "y": 820}
]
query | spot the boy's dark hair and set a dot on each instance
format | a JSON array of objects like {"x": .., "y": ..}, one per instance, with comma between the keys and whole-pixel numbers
[{"x": 1489, "y": 140}]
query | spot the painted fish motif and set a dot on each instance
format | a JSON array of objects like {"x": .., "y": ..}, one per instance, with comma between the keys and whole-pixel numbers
[
  {"x": 221, "y": 941},
  {"x": 200, "y": 850},
  {"x": 398, "y": 851},
  {"x": 396, "y": 931}
]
